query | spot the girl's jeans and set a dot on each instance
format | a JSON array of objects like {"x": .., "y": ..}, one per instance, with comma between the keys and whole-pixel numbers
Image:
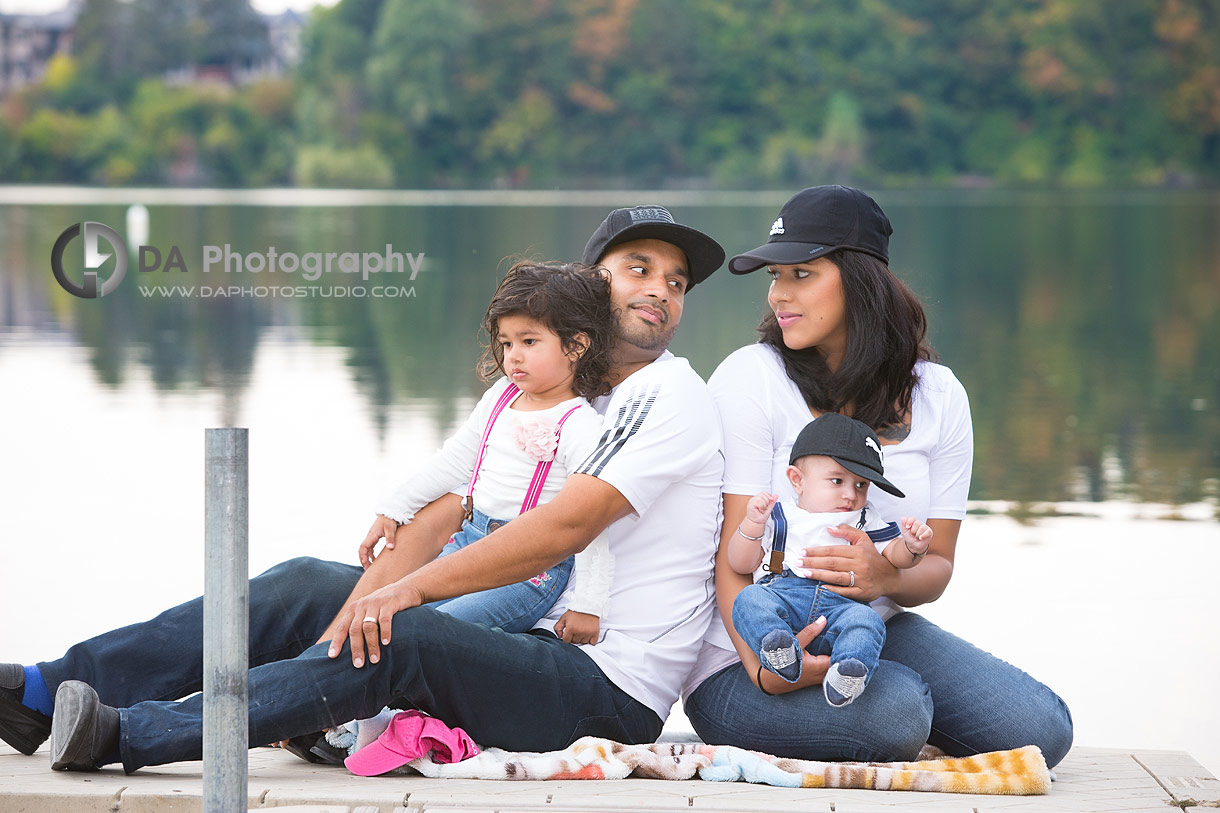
[{"x": 514, "y": 607}]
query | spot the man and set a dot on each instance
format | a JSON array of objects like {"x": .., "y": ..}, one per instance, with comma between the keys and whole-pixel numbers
[{"x": 654, "y": 482}]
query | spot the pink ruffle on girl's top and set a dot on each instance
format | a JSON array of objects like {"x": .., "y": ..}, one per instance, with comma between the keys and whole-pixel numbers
[
  {"x": 538, "y": 438},
  {"x": 410, "y": 735}
]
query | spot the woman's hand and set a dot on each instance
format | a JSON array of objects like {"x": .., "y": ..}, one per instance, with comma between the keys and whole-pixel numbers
[
  {"x": 368, "y": 620},
  {"x": 383, "y": 527},
  {"x": 813, "y": 667},
  {"x": 855, "y": 570}
]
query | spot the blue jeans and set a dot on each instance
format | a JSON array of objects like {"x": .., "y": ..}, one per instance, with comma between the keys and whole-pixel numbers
[
  {"x": 514, "y": 607},
  {"x": 930, "y": 686},
  {"x": 521, "y": 692},
  {"x": 788, "y": 602}
]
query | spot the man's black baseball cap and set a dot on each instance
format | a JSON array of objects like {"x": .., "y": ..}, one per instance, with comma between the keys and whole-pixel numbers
[
  {"x": 703, "y": 254},
  {"x": 817, "y": 221},
  {"x": 852, "y": 444}
]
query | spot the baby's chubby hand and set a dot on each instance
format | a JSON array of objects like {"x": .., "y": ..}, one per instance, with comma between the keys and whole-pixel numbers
[
  {"x": 759, "y": 507},
  {"x": 916, "y": 534}
]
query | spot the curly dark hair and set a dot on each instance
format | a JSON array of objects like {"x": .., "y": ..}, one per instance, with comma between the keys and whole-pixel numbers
[
  {"x": 886, "y": 335},
  {"x": 570, "y": 299}
]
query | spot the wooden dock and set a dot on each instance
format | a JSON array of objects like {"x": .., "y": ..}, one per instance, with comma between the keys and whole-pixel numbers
[{"x": 1089, "y": 780}]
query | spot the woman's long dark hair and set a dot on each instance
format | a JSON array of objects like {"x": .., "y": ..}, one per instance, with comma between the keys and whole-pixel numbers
[
  {"x": 568, "y": 298},
  {"x": 886, "y": 335}
]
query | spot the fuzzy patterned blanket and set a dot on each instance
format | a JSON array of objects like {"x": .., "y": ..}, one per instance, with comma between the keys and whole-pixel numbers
[{"x": 1019, "y": 772}]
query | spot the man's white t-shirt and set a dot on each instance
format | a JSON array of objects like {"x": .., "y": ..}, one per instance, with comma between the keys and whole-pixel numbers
[
  {"x": 762, "y": 411},
  {"x": 660, "y": 448}
]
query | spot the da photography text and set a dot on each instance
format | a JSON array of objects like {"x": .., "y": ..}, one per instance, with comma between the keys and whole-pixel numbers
[{"x": 311, "y": 265}]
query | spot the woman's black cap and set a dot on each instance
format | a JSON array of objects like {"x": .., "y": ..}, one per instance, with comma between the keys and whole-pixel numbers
[{"x": 817, "y": 221}]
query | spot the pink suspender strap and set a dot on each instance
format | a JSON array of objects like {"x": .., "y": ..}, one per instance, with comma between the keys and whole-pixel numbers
[
  {"x": 506, "y": 398},
  {"x": 535, "y": 490}
]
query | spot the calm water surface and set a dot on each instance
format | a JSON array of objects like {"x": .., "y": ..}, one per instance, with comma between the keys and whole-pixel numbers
[{"x": 1084, "y": 328}]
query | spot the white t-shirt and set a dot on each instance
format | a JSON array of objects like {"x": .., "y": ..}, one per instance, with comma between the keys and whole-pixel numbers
[
  {"x": 660, "y": 448},
  {"x": 506, "y": 473},
  {"x": 507, "y": 468},
  {"x": 762, "y": 411}
]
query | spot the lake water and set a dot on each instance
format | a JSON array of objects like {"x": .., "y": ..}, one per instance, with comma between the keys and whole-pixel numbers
[{"x": 1085, "y": 328}]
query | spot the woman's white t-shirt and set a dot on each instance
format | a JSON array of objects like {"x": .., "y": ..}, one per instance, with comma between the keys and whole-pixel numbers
[{"x": 762, "y": 411}]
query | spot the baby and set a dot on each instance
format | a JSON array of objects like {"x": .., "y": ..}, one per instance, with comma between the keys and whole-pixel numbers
[{"x": 833, "y": 462}]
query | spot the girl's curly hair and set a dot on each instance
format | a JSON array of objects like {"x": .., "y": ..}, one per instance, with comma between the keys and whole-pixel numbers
[{"x": 568, "y": 298}]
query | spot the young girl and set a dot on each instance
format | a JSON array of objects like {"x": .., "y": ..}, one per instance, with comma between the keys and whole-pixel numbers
[{"x": 549, "y": 329}]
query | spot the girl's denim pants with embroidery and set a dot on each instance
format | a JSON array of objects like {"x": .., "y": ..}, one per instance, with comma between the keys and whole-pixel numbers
[{"x": 514, "y": 607}]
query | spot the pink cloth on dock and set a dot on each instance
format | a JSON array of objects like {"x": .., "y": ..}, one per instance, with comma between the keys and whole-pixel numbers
[{"x": 410, "y": 735}]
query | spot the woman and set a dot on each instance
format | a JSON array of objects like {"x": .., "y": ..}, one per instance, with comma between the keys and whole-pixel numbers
[{"x": 845, "y": 335}]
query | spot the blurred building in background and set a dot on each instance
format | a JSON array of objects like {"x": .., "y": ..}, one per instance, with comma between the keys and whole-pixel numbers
[{"x": 28, "y": 41}]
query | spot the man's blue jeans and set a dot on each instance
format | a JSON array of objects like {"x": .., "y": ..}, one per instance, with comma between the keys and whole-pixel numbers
[
  {"x": 514, "y": 607},
  {"x": 788, "y": 602},
  {"x": 930, "y": 686},
  {"x": 527, "y": 692}
]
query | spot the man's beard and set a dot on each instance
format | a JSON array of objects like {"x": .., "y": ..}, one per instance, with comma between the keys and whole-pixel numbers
[{"x": 632, "y": 330}]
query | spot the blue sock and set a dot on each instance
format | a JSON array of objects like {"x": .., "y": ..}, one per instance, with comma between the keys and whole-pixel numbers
[{"x": 37, "y": 697}]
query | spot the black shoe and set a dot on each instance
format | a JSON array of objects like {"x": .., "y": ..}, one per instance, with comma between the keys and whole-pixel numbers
[
  {"x": 20, "y": 726},
  {"x": 329, "y": 754},
  {"x": 83, "y": 730},
  {"x": 302, "y": 746}
]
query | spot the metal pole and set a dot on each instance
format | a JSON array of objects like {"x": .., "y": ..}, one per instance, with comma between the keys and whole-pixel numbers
[{"x": 226, "y": 620}]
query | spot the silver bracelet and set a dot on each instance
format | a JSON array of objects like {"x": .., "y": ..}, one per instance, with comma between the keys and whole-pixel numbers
[{"x": 758, "y": 538}]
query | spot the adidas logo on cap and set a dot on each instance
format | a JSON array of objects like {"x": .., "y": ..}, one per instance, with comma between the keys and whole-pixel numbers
[{"x": 777, "y": 227}]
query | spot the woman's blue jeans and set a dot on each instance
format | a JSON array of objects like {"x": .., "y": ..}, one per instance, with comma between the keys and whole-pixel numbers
[
  {"x": 514, "y": 607},
  {"x": 524, "y": 692},
  {"x": 930, "y": 686}
]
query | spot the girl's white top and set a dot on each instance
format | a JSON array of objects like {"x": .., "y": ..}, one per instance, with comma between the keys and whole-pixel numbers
[
  {"x": 518, "y": 441},
  {"x": 762, "y": 411}
]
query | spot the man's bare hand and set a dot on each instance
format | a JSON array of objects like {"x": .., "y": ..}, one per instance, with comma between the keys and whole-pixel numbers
[{"x": 368, "y": 621}]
